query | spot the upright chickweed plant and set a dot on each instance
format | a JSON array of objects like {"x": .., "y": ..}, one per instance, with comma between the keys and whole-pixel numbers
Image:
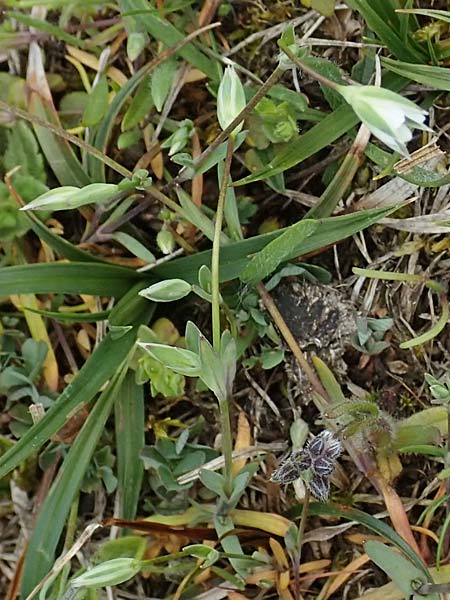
[{"x": 214, "y": 364}]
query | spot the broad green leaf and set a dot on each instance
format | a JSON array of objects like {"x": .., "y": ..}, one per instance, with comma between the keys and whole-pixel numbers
[
  {"x": 167, "y": 290},
  {"x": 212, "y": 370},
  {"x": 231, "y": 545},
  {"x": 208, "y": 554},
  {"x": 140, "y": 106},
  {"x": 328, "y": 380},
  {"x": 213, "y": 481},
  {"x": 129, "y": 413},
  {"x": 161, "y": 82},
  {"x": 68, "y": 197},
  {"x": 109, "y": 573},
  {"x": 97, "y": 103},
  {"x": 434, "y": 77},
  {"x": 402, "y": 572},
  {"x": 425, "y": 178},
  {"x": 268, "y": 259},
  {"x": 22, "y": 150},
  {"x": 179, "y": 360}
]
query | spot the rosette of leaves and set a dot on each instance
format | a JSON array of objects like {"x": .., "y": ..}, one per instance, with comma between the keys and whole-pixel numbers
[
  {"x": 168, "y": 459},
  {"x": 370, "y": 333},
  {"x": 19, "y": 376}
]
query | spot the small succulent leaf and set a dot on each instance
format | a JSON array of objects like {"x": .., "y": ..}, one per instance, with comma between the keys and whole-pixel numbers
[
  {"x": 168, "y": 290},
  {"x": 179, "y": 360},
  {"x": 213, "y": 481}
]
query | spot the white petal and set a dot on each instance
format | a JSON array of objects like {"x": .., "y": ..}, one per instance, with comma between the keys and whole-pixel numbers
[{"x": 389, "y": 140}]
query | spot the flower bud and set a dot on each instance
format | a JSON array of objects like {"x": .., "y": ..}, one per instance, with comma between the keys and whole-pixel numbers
[
  {"x": 230, "y": 99},
  {"x": 110, "y": 572},
  {"x": 387, "y": 115}
]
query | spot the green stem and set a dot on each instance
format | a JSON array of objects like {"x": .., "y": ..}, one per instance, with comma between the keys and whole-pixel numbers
[
  {"x": 304, "y": 67},
  {"x": 224, "y": 409},
  {"x": 215, "y": 275},
  {"x": 301, "y": 535},
  {"x": 271, "y": 81}
]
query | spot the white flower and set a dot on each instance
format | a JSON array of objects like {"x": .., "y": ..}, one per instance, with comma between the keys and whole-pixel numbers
[
  {"x": 230, "y": 99},
  {"x": 387, "y": 115}
]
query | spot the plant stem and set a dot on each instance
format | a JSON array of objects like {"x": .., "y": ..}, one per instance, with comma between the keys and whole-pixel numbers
[
  {"x": 301, "y": 535},
  {"x": 215, "y": 275},
  {"x": 320, "y": 78},
  {"x": 343, "y": 178},
  {"x": 271, "y": 81},
  {"x": 224, "y": 409}
]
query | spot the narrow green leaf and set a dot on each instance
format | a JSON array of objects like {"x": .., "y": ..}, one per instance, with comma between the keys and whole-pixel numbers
[
  {"x": 58, "y": 243},
  {"x": 433, "y": 332},
  {"x": 268, "y": 259},
  {"x": 372, "y": 523},
  {"x": 434, "y": 77},
  {"x": 58, "y": 152},
  {"x": 441, "y": 15},
  {"x": 331, "y": 128},
  {"x": 382, "y": 19},
  {"x": 53, "y": 513},
  {"x": 197, "y": 217},
  {"x": 234, "y": 257},
  {"x": 130, "y": 428},
  {"x": 67, "y": 278},
  {"x": 72, "y": 317},
  {"x": 179, "y": 360},
  {"x": 46, "y": 27},
  {"x": 163, "y": 31},
  {"x": 134, "y": 246}
]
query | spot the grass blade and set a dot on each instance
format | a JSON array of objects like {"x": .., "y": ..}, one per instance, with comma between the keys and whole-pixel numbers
[
  {"x": 52, "y": 517},
  {"x": 434, "y": 77},
  {"x": 130, "y": 427},
  {"x": 67, "y": 278},
  {"x": 235, "y": 256}
]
